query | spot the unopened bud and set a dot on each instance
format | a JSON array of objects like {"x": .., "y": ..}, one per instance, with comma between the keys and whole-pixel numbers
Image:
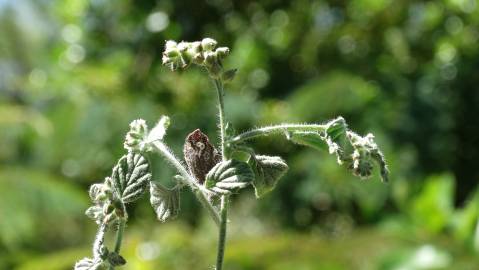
[
  {"x": 208, "y": 44},
  {"x": 183, "y": 46},
  {"x": 222, "y": 52},
  {"x": 210, "y": 59},
  {"x": 134, "y": 140},
  {"x": 198, "y": 59},
  {"x": 99, "y": 192},
  {"x": 195, "y": 47},
  {"x": 170, "y": 44}
]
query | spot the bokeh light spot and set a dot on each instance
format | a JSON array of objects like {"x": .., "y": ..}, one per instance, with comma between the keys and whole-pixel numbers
[{"x": 157, "y": 21}]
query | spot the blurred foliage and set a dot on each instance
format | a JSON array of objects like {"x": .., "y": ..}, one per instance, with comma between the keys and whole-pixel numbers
[{"x": 74, "y": 73}]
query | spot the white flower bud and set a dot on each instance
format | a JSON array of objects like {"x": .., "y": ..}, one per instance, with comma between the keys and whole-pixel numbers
[
  {"x": 210, "y": 59},
  {"x": 170, "y": 44},
  {"x": 195, "y": 47},
  {"x": 183, "y": 46},
  {"x": 222, "y": 52},
  {"x": 208, "y": 44}
]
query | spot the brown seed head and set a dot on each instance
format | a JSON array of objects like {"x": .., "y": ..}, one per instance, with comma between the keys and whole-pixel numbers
[{"x": 200, "y": 155}]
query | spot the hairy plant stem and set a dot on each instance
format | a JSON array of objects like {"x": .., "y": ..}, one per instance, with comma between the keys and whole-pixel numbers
[
  {"x": 277, "y": 129},
  {"x": 119, "y": 238},
  {"x": 99, "y": 240},
  {"x": 119, "y": 234},
  {"x": 198, "y": 190},
  {"x": 221, "y": 115},
  {"x": 224, "y": 198},
  {"x": 222, "y": 232}
]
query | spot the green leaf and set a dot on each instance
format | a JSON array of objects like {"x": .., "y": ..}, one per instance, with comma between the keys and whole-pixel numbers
[
  {"x": 335, "y": 131},
  {"x": 309, "y": 138},
  {"x": 116, "y": 259},
  {"x": 336, "y": 128},
  {"x": 229, "y": 176},
  {"x": 465, "y": 219},
  {"x": 131, "y": 177},
  {"x": 433, "y": 208},
  {"x": 268, "y": 170},
  {"x": 165, "y": 202},
  {"x": 229, "y": 75}
]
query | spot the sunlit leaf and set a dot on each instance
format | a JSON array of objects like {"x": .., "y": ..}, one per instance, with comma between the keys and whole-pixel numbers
[
  {"x": 165, "y": 202},
  {"x": 229, "y": 176},
  {"x": 268, "y": 170},
  {"x": 131, "y": 177}
]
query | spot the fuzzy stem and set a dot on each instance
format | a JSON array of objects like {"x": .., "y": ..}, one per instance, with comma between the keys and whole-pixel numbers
[
  {"x": 119, "y": 238},
  {"x": 199, "y": 190},
  {"x": 277, "y": 129},
  {"x": 221, "y": 114},
  {"x": 207, "y": 205},
  {"x": 98, "y": 244},
  {"x": 222, "y": 232},
  {"x": 119, "y": 235},
  {"x": 224, "y": 156}
]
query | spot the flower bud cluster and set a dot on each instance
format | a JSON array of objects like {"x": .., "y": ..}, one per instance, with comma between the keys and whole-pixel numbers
[
  {"x": 202, "y": 53},
  {"x": 107, "y": 207},
  {"x": 135, "y": 138},
  {"x": 365, "y": 153},
  {"x": 138, "y": 138}
]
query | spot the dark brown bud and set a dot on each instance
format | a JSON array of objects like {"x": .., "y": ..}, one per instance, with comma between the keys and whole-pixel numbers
[{"x": 200, "y": 155}]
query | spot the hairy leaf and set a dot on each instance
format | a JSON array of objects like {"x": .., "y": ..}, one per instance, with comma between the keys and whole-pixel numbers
[
  {"x": 165, "y": 202},
  {"x": 336, "y": 128},
  {"x": 90, "y": 264},
  {"x": 131, "y": 177},
  {"x": 159, "y": 131},
  {"x": 268, "y": 170},
  {"x": 229, "y": 176},
  {"x": 309, "y": 138}
]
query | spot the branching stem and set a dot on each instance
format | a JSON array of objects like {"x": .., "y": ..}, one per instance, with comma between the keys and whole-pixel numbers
[
  {"x": 199, "y": 190},
  {"x": 277, "y": 129}
]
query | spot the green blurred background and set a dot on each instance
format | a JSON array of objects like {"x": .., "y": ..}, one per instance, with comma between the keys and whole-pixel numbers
[{"x": 74, "y": 73}]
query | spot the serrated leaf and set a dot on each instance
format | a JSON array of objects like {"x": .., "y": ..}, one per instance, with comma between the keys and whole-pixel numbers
[
  {"x": 165, "y": 202},
  {"x": 130, "y": 177},
  {"x": 268, "y": 170},
  {"x": 90, "y": 264},
  {"x": 228, "y": 176}
]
